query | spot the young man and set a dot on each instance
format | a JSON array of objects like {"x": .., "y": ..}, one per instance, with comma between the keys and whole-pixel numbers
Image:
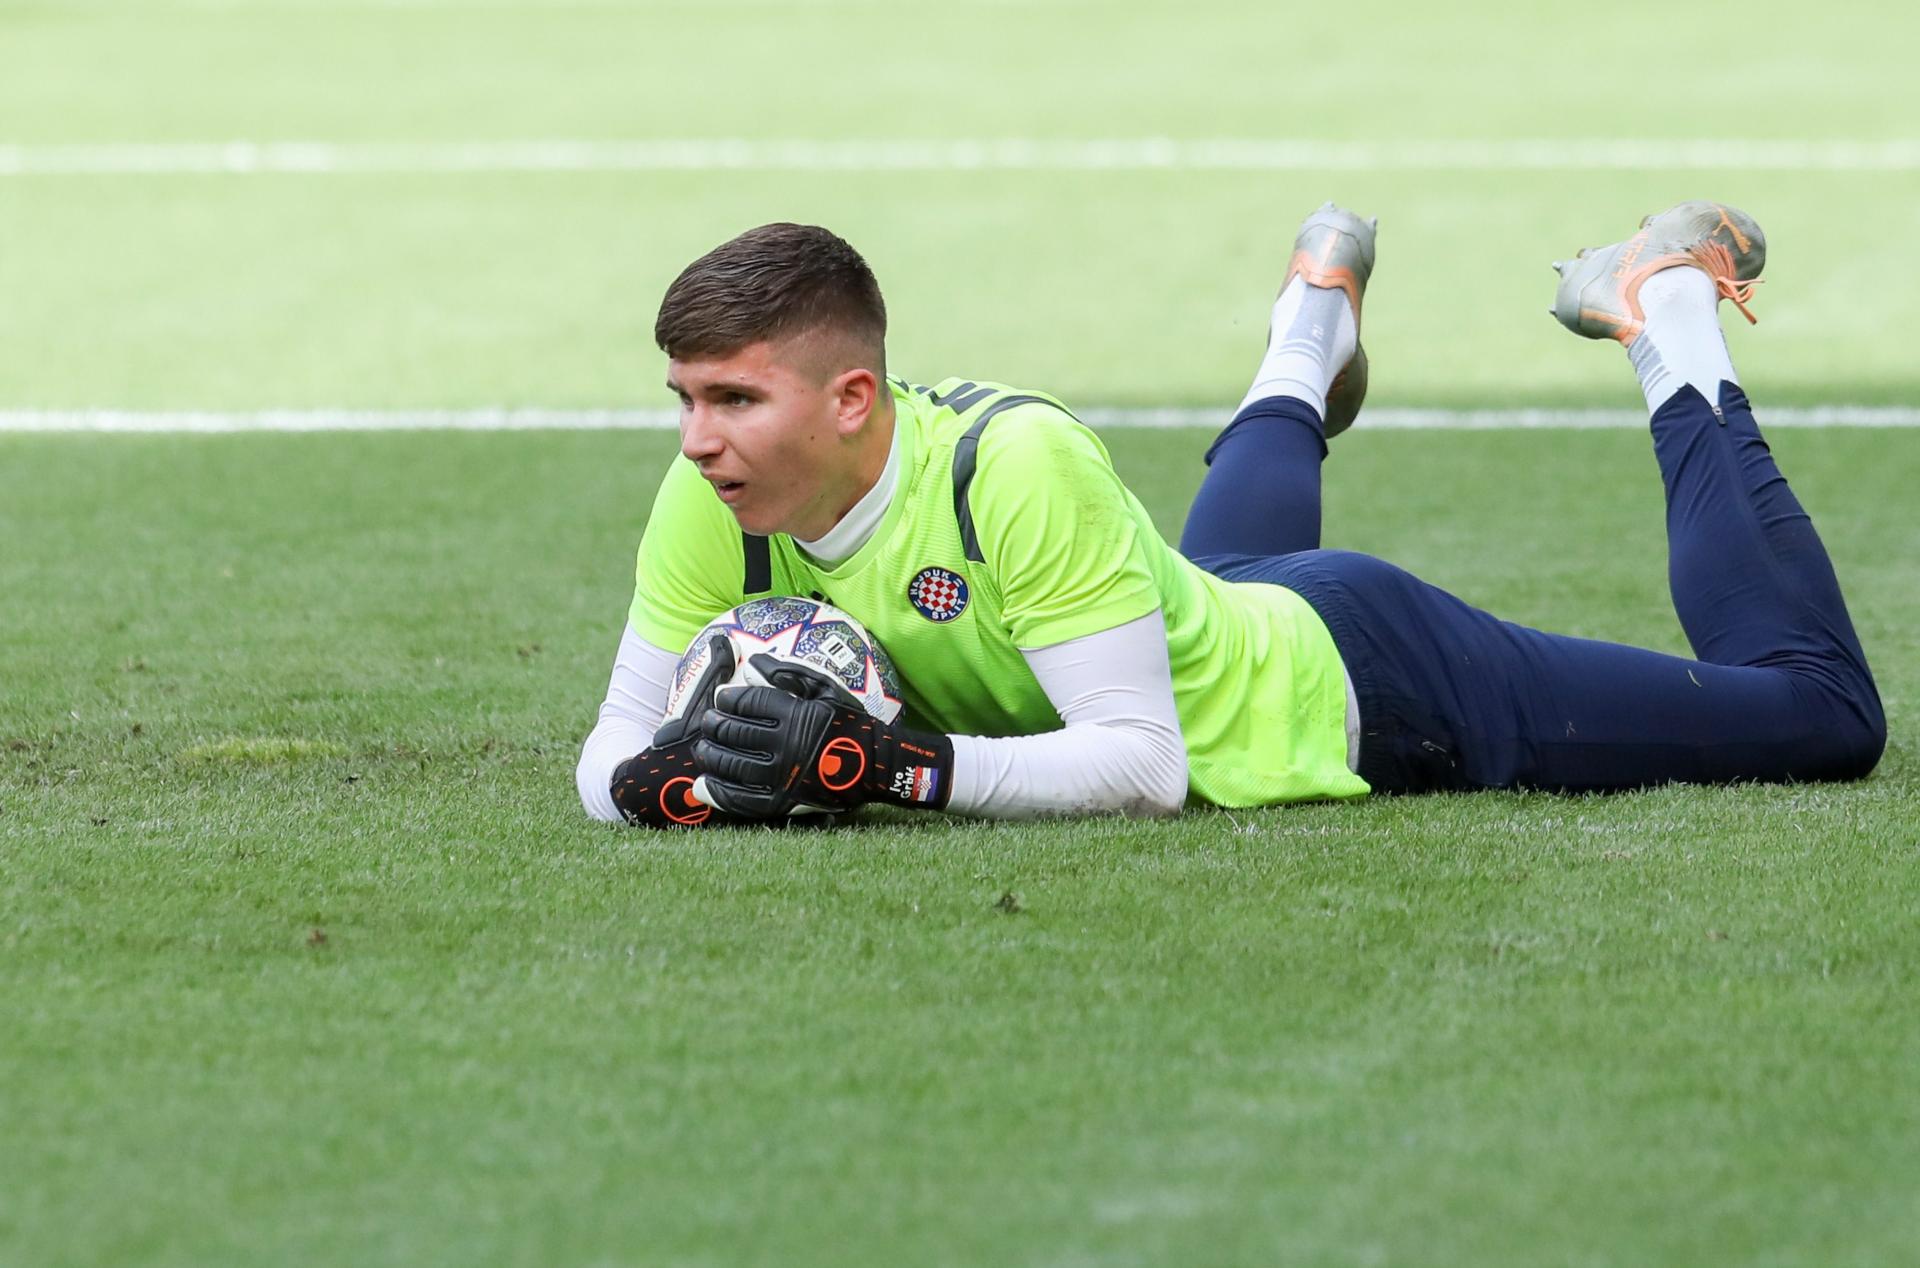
[{"x": 1059, "y": 657}]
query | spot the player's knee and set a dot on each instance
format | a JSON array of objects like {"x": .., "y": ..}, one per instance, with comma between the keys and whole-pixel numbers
[
  {"x": 1857, "y": 738},
  {"x": 1865, "y": 744}
]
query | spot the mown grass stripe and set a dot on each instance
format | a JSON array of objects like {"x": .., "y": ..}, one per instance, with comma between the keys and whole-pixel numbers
[
  {"x": 1116, "y": 418},
  {"x": 916, "y": 154}
]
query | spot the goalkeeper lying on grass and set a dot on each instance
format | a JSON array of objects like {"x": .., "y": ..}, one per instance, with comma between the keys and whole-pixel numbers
[{"x": 1062, "y": 658}]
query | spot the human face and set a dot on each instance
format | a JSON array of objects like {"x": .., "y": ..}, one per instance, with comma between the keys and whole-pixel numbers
[{"x": 781, "y": 449}]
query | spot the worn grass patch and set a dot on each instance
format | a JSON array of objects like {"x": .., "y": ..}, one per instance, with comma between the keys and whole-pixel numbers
[{"x": 259, "y": 751}]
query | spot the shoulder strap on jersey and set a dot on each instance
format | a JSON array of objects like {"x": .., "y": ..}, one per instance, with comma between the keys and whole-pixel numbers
[
  {"x": 962, "y": 398},
  {"x": 759, "y": 570},
  {"x": 966, "y": 456}
]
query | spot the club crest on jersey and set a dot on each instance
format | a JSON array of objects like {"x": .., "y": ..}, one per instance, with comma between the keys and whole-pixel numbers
[{"x": 938, "y": 595}]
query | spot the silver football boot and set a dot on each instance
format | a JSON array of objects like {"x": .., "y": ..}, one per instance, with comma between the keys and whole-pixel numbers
[
  {"x": 1599, "y": 295},
  {"x": 1335, "y": 248}
]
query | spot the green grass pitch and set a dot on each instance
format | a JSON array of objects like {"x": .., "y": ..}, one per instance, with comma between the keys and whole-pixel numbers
[{"x": 307, "y": 953}]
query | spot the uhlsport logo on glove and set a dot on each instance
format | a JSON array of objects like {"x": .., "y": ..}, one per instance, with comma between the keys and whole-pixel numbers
[
  {"x": 677, "y": 802},
  {"x": 842, "y": 763},
  {"x": 938, "y": 595}
]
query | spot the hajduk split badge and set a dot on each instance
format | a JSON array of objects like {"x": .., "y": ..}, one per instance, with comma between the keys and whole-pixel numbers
[{"x": 938, "y": 595}]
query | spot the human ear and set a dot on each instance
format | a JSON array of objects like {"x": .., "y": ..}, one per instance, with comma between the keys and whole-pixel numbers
[{"x": 854, "y": 393}]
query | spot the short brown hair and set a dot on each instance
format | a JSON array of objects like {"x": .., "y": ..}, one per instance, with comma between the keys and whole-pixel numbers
[{"x": 770, "y": 283}]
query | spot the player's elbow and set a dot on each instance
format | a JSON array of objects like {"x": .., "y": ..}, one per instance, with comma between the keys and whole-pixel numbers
[
  {"x": 1160, "y": 803},
  {"x": 1170, "y": 798},
  {"x": 1160, "y": 778}
]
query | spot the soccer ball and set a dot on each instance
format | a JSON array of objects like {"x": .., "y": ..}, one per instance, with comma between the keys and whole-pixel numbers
[{"x": 798, "y": 632}]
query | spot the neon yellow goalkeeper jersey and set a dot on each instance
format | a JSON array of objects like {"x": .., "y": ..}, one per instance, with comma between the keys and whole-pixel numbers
[{"x": 1020, "y": 535}]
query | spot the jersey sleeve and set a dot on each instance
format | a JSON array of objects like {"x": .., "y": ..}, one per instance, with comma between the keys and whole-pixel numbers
[
  {"x": 1062, "y": 535},
  {"x": 692, "y": 564}
]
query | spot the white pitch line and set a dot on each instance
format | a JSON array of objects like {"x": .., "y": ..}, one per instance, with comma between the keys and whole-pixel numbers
[
  {"x": 319, "y": 158},
  {"x": 1107, "y": 418}
]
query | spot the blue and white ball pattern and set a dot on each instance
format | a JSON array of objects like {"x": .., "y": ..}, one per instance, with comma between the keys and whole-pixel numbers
[{"x": 802, "y": 632}]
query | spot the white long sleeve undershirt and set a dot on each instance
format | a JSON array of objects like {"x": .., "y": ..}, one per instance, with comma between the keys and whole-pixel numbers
[
  {"x": 636, "y": 704},
  {"x": 1120, "y": 748}
]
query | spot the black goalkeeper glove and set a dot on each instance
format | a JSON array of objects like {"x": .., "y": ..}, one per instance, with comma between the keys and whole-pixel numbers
[
  {"x": 806, "y": 742},
  {"x": 654, "y": 787}
]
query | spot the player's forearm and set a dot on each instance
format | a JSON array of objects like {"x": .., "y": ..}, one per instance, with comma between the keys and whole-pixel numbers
[
  {"x": 1121, "y": 748},
  {"x": 1086, "y": 769},
  {"x": 635, "y": 703}
]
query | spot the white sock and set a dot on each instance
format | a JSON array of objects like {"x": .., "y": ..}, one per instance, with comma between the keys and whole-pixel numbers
[
  {"x": 1309, "y": 341},
  {"x": 1683, "y": 342}
]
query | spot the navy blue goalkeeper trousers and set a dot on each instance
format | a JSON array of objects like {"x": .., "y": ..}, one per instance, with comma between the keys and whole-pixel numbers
[{"x": 1452, "y": 698}]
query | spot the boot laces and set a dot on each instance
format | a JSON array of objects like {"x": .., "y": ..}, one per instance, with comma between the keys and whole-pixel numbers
[{"x": 1717, "y": 261}]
